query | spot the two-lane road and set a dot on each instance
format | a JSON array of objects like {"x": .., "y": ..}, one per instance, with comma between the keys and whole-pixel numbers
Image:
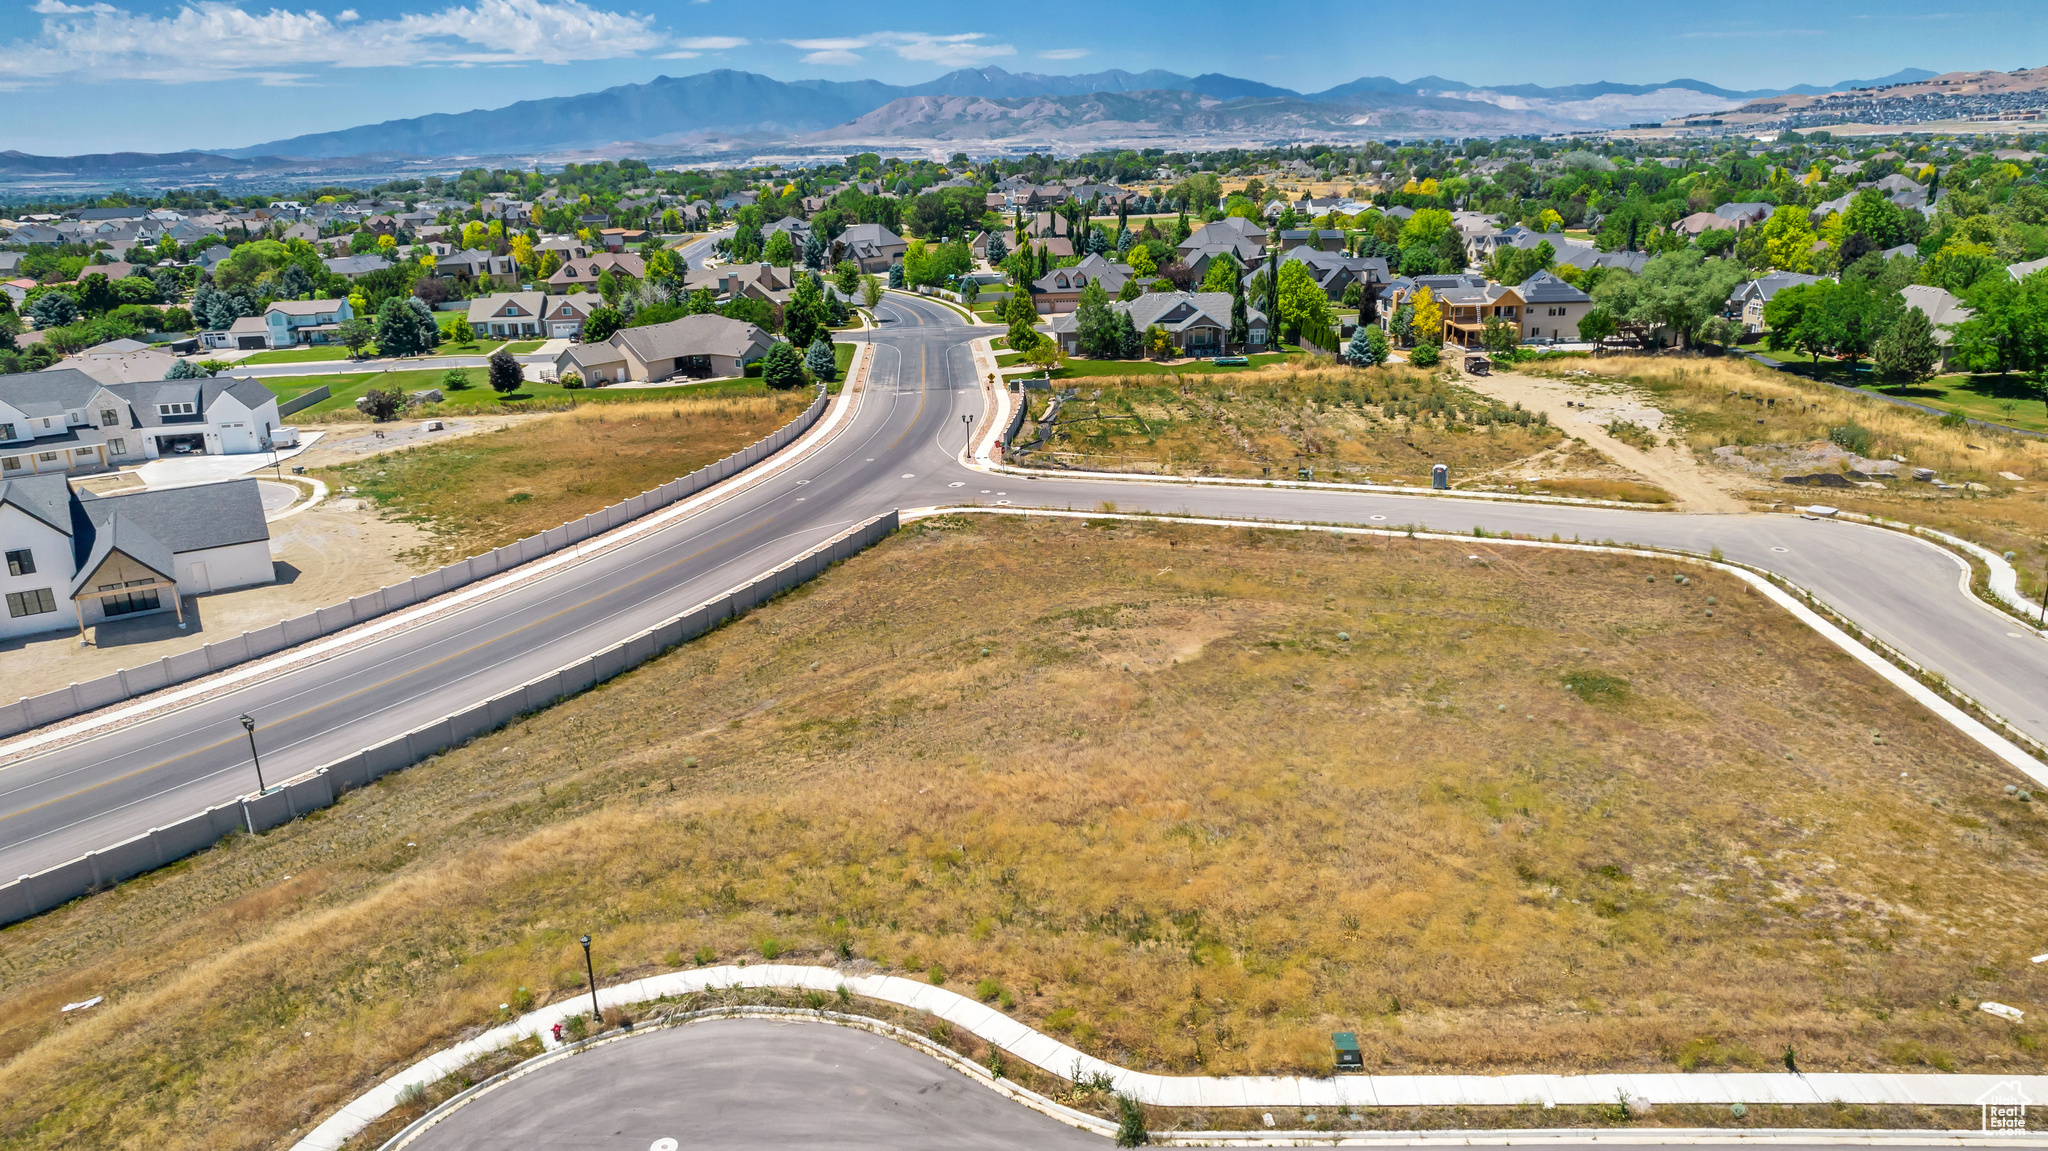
[{"x": 900, "y": 449}]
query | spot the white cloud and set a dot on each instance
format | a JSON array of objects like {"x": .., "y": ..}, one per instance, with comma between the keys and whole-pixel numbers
[
  {"x": 712, "y": 43},
  {"x": 1063, "y": 54},
  {"x": 956, "y": 50},
  {"x": 212, "y": 39}
]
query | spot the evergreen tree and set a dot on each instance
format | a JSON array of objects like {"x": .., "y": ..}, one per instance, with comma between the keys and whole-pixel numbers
[
  {"x": 820, "y": 361},
  {"x": 54, "y": 309},
  {"x": 1124, "y": 240},
  {"x": 1095, "y": 324},
  {"x": 1240, "y": 316},
  {"x": 896, "y": 274},
  {"x": 782, "y": 368},
  {"x": 293, "y": 283},
  {"x": 1129, "y": 344},
  {"x": 405, "y": 327},
  {"x": 814, "y": 249},
  {"x": 1361, "y": 352},
  {"x": 997, "y": 250},
  {"x": 1097, "y": 242},
  {"x": 803, "y": 317}
]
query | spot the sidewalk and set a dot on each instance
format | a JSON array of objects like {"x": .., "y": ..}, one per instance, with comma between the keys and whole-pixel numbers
[{"x": 1236, "y": 1091}]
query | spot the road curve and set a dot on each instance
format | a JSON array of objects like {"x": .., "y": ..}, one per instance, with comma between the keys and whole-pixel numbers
[{"x": 901, "y": 449}]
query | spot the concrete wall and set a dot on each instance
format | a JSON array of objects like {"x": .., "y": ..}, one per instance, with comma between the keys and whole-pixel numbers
[
  {"x": 96, "y": 870},
  {"x": 34, "y": 711},
  {"x": 237, "y": 565},
  {"x": 303, "y": 400}
]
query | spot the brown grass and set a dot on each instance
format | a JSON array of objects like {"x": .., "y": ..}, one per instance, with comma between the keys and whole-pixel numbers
[
  {"x": 1384, "y": 423},
  {"x": 2012, "y": 516},
  {"x": 1534, "y": 812},
  {"x": 491, "y": 489}
]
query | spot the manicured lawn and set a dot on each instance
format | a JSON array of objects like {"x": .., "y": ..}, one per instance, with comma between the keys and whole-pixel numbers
[
  {"x": 2008, "y": 400},
  {"x": 524, "y": 347},
  {"x": 480, "y": 398},
  {"x": 301, "y": 355},
  {"x": 843, "y": 355},
  {"x": 471, "y": 348}
]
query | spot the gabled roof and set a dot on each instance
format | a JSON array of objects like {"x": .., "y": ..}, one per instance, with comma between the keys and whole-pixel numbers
[
  {"x": 304, "y": 307},
  {"x": 1112, "y": 276},
  {"x": 705, "y": 335},
  {"x": 486, "y": 308},
  {"x": 46, "y": 497},
  {"x": 183, "y": 519},
  {"x": 119, "y": 533},
  {"x": 1938, "y": 306},
  {"x": 1545, "y": 288}
]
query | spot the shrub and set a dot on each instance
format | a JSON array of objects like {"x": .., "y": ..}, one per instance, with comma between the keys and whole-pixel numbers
[
  {"x": 522, "y": 1000},
  {"x": 987, "y": 989},
  {"x": 782, "y": 368},
  {"x": 1594, "y": 687},
  {"x": 936, "y": 973},
  {"x": 504, "y": 371},
  {"x": 1425, "y": 356},
  {"x": 412, "y": 1094},
  {"x": 705, "y": 955},
  {"x": 381, "y": 403},
  {"x": 1130, "y": 1122},
  {"x": 771, "y": 948},
  {"x": 572, "y": 381},
  {"x": 1851, "y": 437},
  {"x": 454, "y": 380}
]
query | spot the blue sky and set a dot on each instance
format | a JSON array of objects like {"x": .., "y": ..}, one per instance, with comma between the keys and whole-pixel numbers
[{"x": 106, "y": 75}]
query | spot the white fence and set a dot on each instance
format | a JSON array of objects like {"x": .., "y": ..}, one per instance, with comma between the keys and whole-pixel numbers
[
  {"x": 55, "y": 886},
  {"x": 79, "y": 698}
]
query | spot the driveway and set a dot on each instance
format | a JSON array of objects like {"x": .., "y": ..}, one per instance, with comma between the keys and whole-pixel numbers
[{"x": 185, "y": 471}]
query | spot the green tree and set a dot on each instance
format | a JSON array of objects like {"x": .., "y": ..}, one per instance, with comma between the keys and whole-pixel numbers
[
  {"x": 601, "y": 323},
  {"x": 2008, "y": 328},
  {"x": 1788, "y": 239},
  {"x": 1960, "y": 265},
  {"x": 1222, "y": 274},
  {"x": 355, "y": 334},
  {"x": 1907, "y": 354},
  {"x": 1596, "y": 327},
  {"x": 870, "y": 291},
  {"x": 1682, "y": 291},
  {"x": 846, "y": 278},
  {"x": 780, "y": 250},
  {"x": 503, "y": 372},
  {"x": 1368, "y": 347},
  {"x": 1095, "y": 323},
  {"x": 455, "y": 380},
  {"x": 1499, "y": 336},
  {"x": 1304, "y": 306},
  {"x": 1797, "y": 317},
  {"x": 820, "y": 361},
  {"x": 381, "y": 404},
  {"x": 405, "y": 327},
  {"x": 782, "y": 368},
  {"x": 1875, "y": 218},
  {"x": 803, "y": 318},
  {"x": 1022, "y": 318}
]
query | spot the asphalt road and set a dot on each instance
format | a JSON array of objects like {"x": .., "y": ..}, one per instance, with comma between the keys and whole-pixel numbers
[
  {"x": 748, "y": 1083},
  {"x": 899, "y": 450}
]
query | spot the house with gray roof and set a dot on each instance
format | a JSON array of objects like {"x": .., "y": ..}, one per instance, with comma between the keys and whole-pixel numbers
[
  {"x": 295, "y": 323},
  {"x": 1942, "y": 309},
  {"x": 1060, "y": 289},
  {"x": 1334, "y": 272},
  {"x": 1746, "y": 302},
  {"x": 707, "y": 346},
  {"x": 352, "y": 266},
  {"x": 1242, "y": 238},
  {"x": 76, "y": 559},
  {"x": 872, "y": 246},
  {"x": 1551, "y": 308},
  {"x": 63, "y": 420},
  {"x": 1198, "y": 323}
]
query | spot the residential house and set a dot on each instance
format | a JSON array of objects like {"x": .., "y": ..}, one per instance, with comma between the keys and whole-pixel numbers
[
  {"x": 477, "y": 264},
  {"x": 1060, "y": 289},
  {"x": 10, "y": 264},
  {"x": 76, "y": 559},
  {"x": 1551, "y": 308},
  {"x": 1746, "y": 213},
  {"x": 2016, "y": 271},
  {"x": 302, "y": 231},
  {"x": 1467, "y": 311},
  {"x": 17, "y": 290},
  {"x": 872, "y": 246},
  {"x": 121, "y": 362},
  {"x": 1746, "y": 303},
  {"x": 350, "y": 267},
  {"x": 293, "y": 323},
  {"x": 212, "y": 256},
  {"x": 1334, "y": 272},
  {"x": 799, "y": 231},
  {"x": 36, "y": 236},
  {"x": 1942, "y": 309},
  {"x": 707, "y": 346},
  {"x": 581, "y": 273},
  {"x": 564, "y": 315},
  {"x": 568, "y": 247},
  {"x": 1242, "y": 238},
  {"x": 62, "y": 419},
  {"x": 616, "y": 239},
  {"x": 1698, "y": 223},
  {"x": 1198, "y": 323},
  {"x": 509, "y": 315}
]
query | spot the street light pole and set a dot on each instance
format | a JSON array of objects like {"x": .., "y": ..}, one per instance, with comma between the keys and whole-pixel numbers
[
  {"x": 249, "y": 725},
  {"x": 596, "y": 1016}
]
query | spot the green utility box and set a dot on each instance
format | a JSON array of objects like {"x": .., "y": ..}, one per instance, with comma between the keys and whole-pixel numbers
[{"x": 1348, "y": 1057}]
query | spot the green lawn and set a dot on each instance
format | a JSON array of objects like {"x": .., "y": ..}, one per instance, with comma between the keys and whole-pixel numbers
[
  {"x": 2008, "y": 400},
  {"x": 524, "y": 347},
  {"x": 301, "y": 355},
  {"x": 480, "y": 398},
  {"x": 843, "y": 353},
  {"x": 470, "y": 348}
]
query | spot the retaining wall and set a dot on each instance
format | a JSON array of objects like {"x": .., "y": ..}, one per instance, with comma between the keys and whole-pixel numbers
[
  {"x": 303, "y": 400},
  {"x": 79, "y": 698},
  {"x": 55, "y": 886}
]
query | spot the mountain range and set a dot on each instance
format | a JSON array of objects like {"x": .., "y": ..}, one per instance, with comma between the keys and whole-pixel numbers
[{"x": 670, "y": 110}]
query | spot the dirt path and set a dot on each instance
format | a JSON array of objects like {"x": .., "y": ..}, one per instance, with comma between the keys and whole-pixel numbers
[{"x": 1675, "y": 470}]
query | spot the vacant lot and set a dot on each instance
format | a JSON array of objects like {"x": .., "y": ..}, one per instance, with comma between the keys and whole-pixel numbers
[
  {"x": 487, "y": 490},
  {"x": 1378, "y": 424},
  {"x": 1193, "y": 798},
  {"x": 1771, "y": 417}
]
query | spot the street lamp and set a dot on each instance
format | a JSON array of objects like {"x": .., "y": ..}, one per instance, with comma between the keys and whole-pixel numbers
[
  {"x": 596, "y": 1016},
  {"x": 249, "y": 725}
]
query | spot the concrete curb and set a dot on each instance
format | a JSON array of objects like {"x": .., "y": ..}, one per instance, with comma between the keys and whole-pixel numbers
[
  {"x": 1238, "y": 1091},
  {"x": 2006, "y": 750}
]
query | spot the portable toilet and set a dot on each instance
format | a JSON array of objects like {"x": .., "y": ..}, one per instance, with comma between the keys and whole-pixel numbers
[
  {"x": 1348, "y": 1056},
  {"x": 1440, "y": 477}
]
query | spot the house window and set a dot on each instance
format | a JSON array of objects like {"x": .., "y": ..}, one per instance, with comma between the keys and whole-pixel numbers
[
  {"x": 109, "y": 417},
  {"x": 21, "y": 563},
  {"x": 181, "y": 409},
  {"x": 37, "y": 602},
  {"x": 7, "y": 432},
  {"x": 46, "y": 457},
  {"x": 117, "y": 446},
  {"x": 127, "y": 603},
  {"x": 10, "y": 463}
]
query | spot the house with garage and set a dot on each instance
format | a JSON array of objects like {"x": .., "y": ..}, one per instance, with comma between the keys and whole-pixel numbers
[
  {"x": 1943, "y": 310},
  {"x": 1746, "y": 302},
  {"x": 564, "y": 316},
  {"x": 76, "y": 559},
  {"x": 1060, "y": 289},
  {"x": 1197, "y": 323},
  {"x": 296, "y": 323},
  {"x": 708, "y": 346},
  {"x": 62, "y": 420},
  {"x": 508, "y": 315}
]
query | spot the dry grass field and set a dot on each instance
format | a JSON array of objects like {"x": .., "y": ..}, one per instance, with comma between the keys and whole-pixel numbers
[
  {"x": 2010, "y": 515},
  {"x": 1192, "y": 798},
  {"x": 485, "y": 491},
  {"x": 1385, "y": 424}
]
